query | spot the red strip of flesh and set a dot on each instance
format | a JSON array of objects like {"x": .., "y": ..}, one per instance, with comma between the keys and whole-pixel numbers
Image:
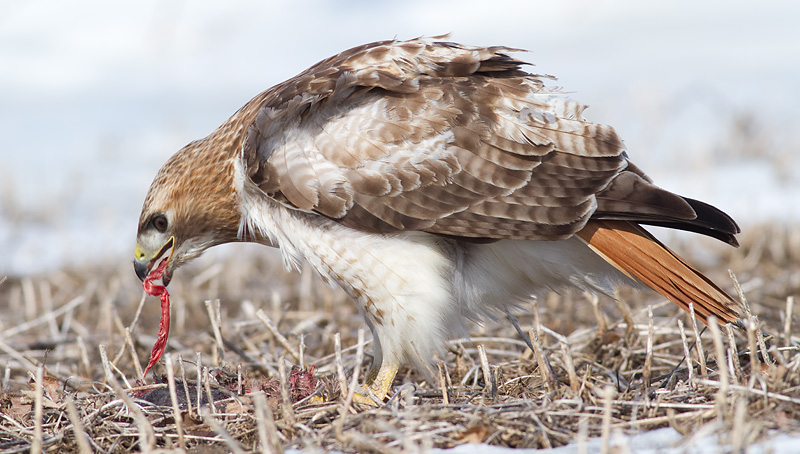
[{"x": 163, "y": 327}]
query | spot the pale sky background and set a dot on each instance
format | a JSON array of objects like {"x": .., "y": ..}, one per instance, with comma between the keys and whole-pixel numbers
[{"x": 96, "y": 95}]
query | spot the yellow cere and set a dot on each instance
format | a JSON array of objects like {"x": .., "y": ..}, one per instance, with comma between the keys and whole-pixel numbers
[{"x": 138, "y": 253}]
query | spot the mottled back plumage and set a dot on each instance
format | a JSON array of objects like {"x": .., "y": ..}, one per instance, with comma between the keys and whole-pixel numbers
[{"x": 446, "y": 139}]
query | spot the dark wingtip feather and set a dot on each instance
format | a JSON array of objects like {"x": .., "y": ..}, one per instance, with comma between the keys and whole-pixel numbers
[
  {"x": 713, "y": 217},
  {"x": 710, "y": 221}
]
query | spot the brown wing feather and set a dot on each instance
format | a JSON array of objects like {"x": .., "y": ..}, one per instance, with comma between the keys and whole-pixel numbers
[
  {"x": 452, "y": 140},
  {"x": 430, "y": 136},
  {"x": 635, "y": 252}
]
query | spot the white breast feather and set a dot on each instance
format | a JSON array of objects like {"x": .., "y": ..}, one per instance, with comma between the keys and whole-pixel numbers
[{"x": 399, "y": 282}]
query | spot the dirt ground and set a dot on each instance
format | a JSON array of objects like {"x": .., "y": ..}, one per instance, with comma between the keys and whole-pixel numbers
[{"x": 263, "y": 345}]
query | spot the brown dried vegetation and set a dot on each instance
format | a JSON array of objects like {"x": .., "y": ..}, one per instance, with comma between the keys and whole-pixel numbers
[{"x": 268, "y": 358}]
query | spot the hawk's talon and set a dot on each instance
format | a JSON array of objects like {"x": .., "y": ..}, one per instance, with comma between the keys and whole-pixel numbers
[{"x": 364, "y": 395}]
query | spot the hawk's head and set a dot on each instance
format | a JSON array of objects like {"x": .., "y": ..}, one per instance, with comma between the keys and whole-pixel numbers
[{"x": 192, "y": 204}]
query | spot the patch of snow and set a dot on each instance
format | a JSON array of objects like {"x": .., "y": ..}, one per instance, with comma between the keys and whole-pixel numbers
[{"x": 659, "y": 441}]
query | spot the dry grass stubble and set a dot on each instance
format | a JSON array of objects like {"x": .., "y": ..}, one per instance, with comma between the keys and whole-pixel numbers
[{"x": 275, "y": 350}]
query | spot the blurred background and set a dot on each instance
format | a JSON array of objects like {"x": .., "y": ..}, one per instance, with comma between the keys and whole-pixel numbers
[{"x": 96, "y": 95}]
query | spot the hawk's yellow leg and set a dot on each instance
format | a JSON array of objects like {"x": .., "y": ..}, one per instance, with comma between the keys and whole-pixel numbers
[{"x": 378, "y": 383}]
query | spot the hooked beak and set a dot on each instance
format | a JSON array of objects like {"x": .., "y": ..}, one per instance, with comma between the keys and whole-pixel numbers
[
  {"x": 142, "y": 264},
  {"x": 141, "y": 269}
]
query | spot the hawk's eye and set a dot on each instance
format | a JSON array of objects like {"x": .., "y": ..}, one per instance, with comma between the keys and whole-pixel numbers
[{"x": 160, "y": 223}]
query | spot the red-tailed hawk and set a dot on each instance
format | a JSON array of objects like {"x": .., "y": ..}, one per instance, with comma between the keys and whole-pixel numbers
[{"x": 435, "y": 182}]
